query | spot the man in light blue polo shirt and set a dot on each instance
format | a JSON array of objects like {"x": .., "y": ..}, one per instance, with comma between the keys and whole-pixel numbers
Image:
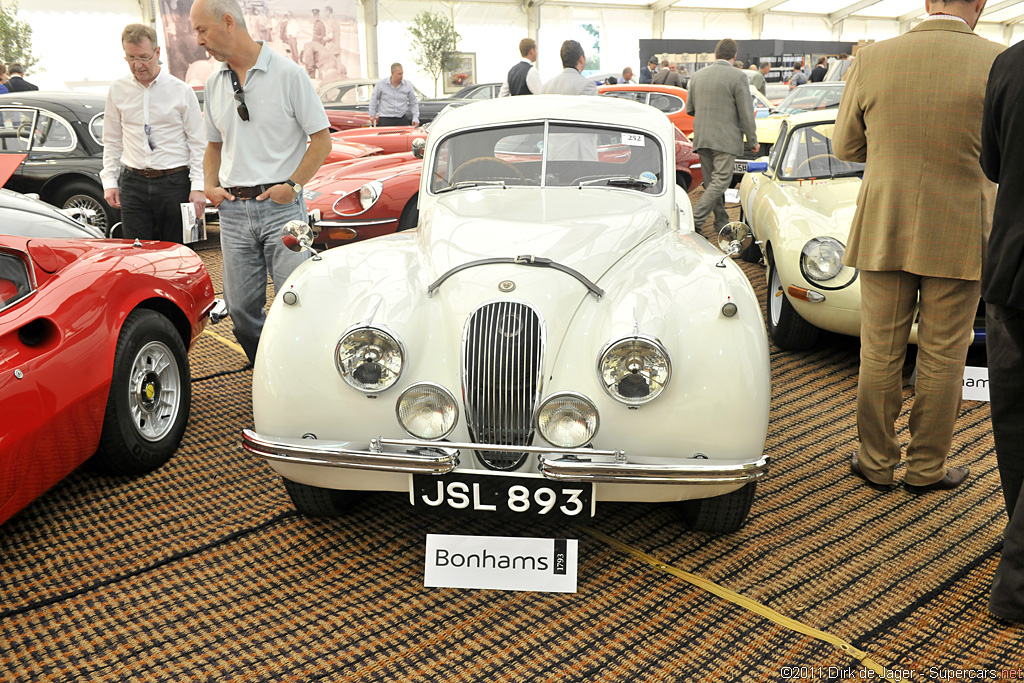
[
  {"x": 393, "y": 102},
  {"x": 260, "y": 109}
]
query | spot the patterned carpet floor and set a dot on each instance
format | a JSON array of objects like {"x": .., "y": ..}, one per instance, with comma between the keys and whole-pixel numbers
[{"x": 203, "y": 570}]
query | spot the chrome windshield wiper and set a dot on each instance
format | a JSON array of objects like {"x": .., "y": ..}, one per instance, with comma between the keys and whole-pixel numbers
[
  {"x": 462, "y": 184},
  {"x": 535, "y": 261},
  {"x": 623, "y": 180}
]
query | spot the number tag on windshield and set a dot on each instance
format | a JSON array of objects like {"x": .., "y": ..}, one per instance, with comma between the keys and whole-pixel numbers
[{"x": 633, "y": 139}]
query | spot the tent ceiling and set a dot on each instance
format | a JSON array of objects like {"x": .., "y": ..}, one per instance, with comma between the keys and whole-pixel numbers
[{"x": 1000, "y": 12}]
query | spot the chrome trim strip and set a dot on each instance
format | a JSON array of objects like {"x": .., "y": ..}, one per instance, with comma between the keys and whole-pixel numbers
[
  {"x": 571, "y": 464},
  {"x": 332, "y": 454},
  {"x": 353, "y": 224},
  {"x": 692, "y": 472}
]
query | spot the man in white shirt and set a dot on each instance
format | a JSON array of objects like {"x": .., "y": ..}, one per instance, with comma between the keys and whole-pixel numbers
[
  {"x": 523, "y": 78},
  {"x": 393, "y": 101},
  {"x": 261, "y": 110},
  {"x": 153, "y": 128}
]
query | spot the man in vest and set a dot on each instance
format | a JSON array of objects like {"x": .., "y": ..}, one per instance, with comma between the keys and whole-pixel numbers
[{"x": 523, "y": 78}]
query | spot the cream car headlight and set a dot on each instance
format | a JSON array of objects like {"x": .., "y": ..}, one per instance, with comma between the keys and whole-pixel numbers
[
  {"x": 369, "y": 359},
  {"x": 635, "y": 370},
  {"x": 427, "y": 411},
  {"x": 370, "y": 193},
  {"x": 821, "y": 259},
  {"x": 567, "y": 420}
]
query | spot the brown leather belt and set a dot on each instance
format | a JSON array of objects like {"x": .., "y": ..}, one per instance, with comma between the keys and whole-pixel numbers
[
  {"x": 249, "y": 192},
  {"x": 155, "y": 173}
]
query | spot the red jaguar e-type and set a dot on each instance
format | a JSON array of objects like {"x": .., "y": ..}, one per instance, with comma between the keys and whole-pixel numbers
[
  {"x": 362, "y": 198},
  {"x": 94, "y": 336}
]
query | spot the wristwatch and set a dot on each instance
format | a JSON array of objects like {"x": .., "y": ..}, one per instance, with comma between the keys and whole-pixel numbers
[{"x": 296, "y": 188}]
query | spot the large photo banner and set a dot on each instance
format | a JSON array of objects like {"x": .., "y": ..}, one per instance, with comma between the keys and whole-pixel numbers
[{"x": 322, "y": 37}]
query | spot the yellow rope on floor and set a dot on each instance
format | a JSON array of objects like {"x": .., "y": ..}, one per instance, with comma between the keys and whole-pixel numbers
[
  {"x": 746, "y": 603},
  {"x": 226, "y": 342}
]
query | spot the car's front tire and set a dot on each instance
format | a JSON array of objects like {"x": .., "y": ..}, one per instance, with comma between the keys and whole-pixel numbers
[
  {"x": 150, "y": 397},
  {"x": 785, "y": 326},
  {"x": 315, "y": 501},
  {"x": 721, "y": 514}
]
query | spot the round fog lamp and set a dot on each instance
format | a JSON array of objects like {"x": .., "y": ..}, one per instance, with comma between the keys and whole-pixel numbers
[
  {"x": 427, "y": 411},
  {"x": 567, "y": 420}
]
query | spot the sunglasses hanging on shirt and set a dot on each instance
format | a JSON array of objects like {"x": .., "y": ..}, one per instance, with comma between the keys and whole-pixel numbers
[{"x": 243, "y": 111}]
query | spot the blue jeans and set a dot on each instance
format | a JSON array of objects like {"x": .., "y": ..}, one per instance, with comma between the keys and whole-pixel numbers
[{"x": 250, "y": 241}]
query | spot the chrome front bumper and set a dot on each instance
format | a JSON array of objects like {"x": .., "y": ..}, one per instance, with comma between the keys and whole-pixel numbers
[{"x": 413, "y": 456}]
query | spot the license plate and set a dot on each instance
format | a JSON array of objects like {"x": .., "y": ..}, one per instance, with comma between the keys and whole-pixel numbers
[
  {"x": 496, "y": 494},
  {"x": 739, "y": 167}
]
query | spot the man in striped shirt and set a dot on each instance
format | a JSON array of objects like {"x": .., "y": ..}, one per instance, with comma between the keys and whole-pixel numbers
[{"x": 393, "y": 102}]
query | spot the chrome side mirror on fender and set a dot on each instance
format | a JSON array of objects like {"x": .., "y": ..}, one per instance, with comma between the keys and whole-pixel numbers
[
  {"x": 298, "y": 236},
  {"x": 418, "y": 146},
  {"x": 733, "y": 238}
]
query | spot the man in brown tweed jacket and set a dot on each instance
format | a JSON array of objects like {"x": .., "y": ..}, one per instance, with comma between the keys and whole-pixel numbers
[{"x": 923, "y": 216}]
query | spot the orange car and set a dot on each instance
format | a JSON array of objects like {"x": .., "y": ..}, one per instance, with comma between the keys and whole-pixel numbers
[{"x": 667, "y": 98}]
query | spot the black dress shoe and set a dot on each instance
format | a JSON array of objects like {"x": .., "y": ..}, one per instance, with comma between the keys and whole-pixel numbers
[
  {"x": 855, "y": 468},
  {"x": 954, "y": 477}
]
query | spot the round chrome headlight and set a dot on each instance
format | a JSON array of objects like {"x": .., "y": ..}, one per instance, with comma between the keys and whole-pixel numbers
[
  {"x": 822, "y": 259},
  {"x": 369, "y": 359},
  {"x": 567, "y": 420},
  {"x": 427, "y": 411},
  {"x": 370, "y": 193},
  {"x": 635, "y": 370}
]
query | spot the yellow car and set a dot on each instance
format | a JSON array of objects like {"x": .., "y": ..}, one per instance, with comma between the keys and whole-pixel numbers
[{"x": 808, "y": 97}]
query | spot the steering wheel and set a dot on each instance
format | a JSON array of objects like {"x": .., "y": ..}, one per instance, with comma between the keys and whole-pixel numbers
[
  {"x": 486, "y": 168},
  {"x": 808, "y": 160},
  {"x": 25, "y": 131}
]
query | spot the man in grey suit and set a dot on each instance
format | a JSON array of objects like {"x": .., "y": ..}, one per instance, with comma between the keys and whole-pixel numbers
[
  {"x": 571, "y": 81},
  {"x": 719, "y": 102}
]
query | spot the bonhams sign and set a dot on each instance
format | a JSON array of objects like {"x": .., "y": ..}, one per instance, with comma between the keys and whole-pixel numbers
[{"x": 500, "y": 563}]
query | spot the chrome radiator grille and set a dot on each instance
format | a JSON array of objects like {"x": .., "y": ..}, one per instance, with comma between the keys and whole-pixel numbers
[{"x": 502, "y": 366}]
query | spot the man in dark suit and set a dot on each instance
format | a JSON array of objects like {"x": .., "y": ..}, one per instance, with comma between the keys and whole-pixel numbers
[
  {"x": 719, "y": 102},
  {"x": 1002, "y": 287},
  {"x": 918, "y": 233},
  {"x": 647, "y": 72},
  {"x": 818, "y": 73},
  {"x": 17, "y": 82}
]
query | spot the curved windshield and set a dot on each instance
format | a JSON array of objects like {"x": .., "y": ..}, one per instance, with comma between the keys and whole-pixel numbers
[
  {"x": 809, "y": 155},
  {"x": 811, "y": 98},
  {"x": 549, "y": 155}
]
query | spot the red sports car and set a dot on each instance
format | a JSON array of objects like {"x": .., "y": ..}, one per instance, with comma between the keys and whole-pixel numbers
[
  {"x": 94, "y": 336},
  {"x": 343, "y": 150},
  {"x": 363, "y": 198},
  {"x": 390, "y": 139}
]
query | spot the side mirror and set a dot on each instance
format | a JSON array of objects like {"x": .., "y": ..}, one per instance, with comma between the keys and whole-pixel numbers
[
  {"x": 734, "y": 238},
  {"x": 418, "y": 145},
  {"x": 298, "y": 236},
  {"x": 757, "y": 166}
]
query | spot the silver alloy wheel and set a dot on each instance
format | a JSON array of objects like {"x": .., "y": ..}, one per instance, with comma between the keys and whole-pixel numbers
[
  {"x": 776, "y": 296},
  {"x": 154, "y": 391},
  {"x": 84, "y": 201}
]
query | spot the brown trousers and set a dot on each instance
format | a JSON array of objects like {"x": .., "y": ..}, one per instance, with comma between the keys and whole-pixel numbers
[{"x": 944, "y": 333}]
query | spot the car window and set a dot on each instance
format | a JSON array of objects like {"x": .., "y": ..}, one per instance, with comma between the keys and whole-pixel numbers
[
  {"x": 811, "y": 99},
  {"x": 760, "y": 108},
  {"x": 15, "y": 283},
  {"x": 808, "y": 154},
  {"x": 666, "y": 103},
  {"x": 640, "y": 97},
  {"x": 53, "y": 134},
  {"x": 96, "y": 128},
  {"x": 773, "y": 157},
  {"x": 567, "y": 154},
  {"x": 15, "y": 129}
]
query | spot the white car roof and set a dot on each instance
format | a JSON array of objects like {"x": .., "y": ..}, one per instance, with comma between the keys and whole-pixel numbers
[{"x": 581, "y": 108}]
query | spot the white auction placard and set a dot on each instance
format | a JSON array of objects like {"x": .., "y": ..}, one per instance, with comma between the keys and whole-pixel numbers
[
  {"x": 975, "y": 384},
  {"x": 501, "y": 563}
]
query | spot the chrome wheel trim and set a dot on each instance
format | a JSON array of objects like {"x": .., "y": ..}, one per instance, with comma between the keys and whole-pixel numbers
[
  {"x": 775, "y": 295},
  {"x": 84, "y": 201},
  {"x": 154, "y": 391}
]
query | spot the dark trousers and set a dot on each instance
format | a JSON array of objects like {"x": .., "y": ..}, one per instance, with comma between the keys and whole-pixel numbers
[
  {"x": 151, "y": 207},
  {"x": 395, "y": 120},
  {"x": 1004, "y": 329}
]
